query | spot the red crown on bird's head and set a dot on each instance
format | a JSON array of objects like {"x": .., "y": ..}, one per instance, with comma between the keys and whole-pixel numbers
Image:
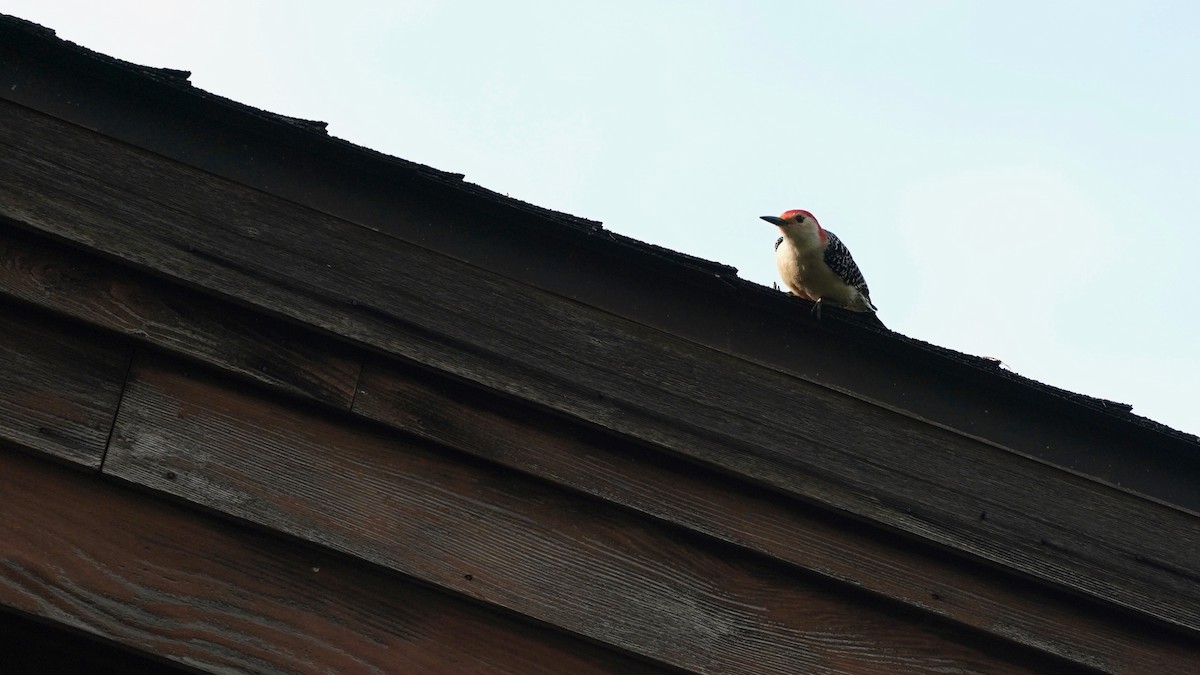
[{"x": 795, "y": 214}]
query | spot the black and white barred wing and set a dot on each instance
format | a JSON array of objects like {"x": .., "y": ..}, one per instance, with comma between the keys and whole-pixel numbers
[{"x": 838, "y": 258}]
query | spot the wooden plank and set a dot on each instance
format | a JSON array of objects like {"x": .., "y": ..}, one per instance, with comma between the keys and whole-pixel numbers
[
  {"x": 502, "y": 538},
  {"x": 60, "y": 384},
  {"x": 32, "y": 646},
  {"x": 163, "y": 580},
  {"x": 830, "y": 449},
  {"x": 703, "y": 501},
  {"x": 175, "y": 318}
]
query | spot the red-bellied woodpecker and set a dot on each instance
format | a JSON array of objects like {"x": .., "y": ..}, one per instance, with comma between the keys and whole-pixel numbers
[{"x": 815, "y": 264}]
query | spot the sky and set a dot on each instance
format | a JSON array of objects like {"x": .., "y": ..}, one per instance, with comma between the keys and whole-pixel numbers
[{"x": 1016, "y": 179}]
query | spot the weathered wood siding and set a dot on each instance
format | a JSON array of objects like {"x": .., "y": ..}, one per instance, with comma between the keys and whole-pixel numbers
[
  {"x": 801, "y": 439},
  {"x": 162, "y": 579},
  {"x": 60, "y": 383},
  {"x": 502, "y": 538},
  {"x": 168, "y": 440},
  {"x": 314, "y": 446},
  {"x": 175, "y": 318},
  {"x": 748, "y": 516}
]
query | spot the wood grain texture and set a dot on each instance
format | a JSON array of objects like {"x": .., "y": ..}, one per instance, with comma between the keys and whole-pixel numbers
[
  {"x": 772, "y": 428},
  {"x": 501, "y": 538},
  {"x": 175, "y": 318},
  {"x": 30, "y": 645},
  {"x": 749, "y": 516},
  {"x": 222, "y": 598},
  {"x": 60, "y": 384}
]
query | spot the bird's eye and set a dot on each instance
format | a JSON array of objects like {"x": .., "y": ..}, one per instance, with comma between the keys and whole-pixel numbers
[{"x": 800, "y": 218}]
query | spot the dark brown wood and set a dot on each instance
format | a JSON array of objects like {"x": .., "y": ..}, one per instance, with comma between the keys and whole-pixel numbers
[
  {"x": 175, "y": 318},
  {"x": 162, "y": 580},
  {"x": 826, "y": 447},
  {"x": 60, "y": 384},
  {"x": 33, "y": 646},
  {"x": 502, "y": 538},
  {"x": 749, "y": 516}
]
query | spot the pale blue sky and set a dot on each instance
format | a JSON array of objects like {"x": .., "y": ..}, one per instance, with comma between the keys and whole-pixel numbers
[{"x": 1016, "y": 179}]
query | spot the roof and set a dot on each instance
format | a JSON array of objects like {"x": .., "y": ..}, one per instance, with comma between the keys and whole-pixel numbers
[{"x": 211, "y": 240}]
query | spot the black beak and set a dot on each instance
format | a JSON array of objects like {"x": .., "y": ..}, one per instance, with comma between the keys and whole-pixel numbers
[{"x": 774, "y": 220}]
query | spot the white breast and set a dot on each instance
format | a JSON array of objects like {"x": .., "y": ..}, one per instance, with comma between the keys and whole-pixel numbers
[{"x": 792, "y": 269}]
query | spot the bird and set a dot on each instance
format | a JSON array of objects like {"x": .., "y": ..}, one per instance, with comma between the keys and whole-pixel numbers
[{"x": 816, "y": 265}]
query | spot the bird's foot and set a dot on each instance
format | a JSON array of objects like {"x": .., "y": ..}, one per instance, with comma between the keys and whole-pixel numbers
[{"x": 816, "y": 308}]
